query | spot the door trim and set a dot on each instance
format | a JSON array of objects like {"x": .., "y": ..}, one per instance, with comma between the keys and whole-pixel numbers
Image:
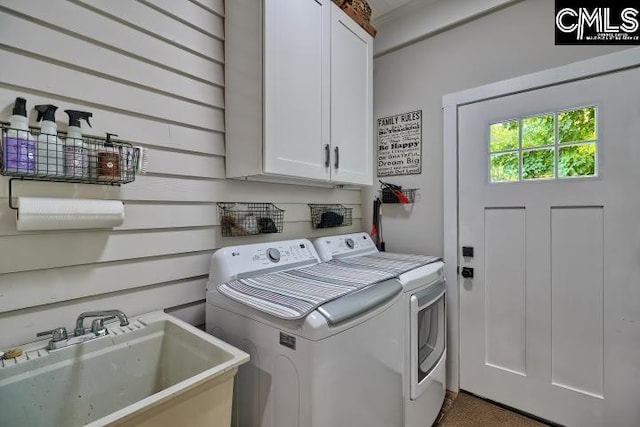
[{"x": 618, "y": 61}]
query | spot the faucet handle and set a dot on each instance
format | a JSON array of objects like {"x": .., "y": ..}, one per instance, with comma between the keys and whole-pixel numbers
[
  {"x": 97, "y": 326},
  {"x": 57, "y": 334}
]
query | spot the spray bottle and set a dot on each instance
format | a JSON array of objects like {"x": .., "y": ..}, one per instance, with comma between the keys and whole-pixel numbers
[
  {"x": 76, "y": 152},
  {"x": 19, "y": 146},
  {"x": 49, "y": 150}
]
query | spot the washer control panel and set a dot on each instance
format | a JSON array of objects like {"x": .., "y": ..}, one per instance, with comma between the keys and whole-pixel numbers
[
  {"x": 279, "y": 253},
  {"x": 258, "y": 258},
  {"x": 233, "y": 262}
]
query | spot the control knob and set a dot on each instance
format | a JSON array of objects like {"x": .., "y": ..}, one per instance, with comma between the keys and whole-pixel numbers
[{"x": 273, "y": 254}]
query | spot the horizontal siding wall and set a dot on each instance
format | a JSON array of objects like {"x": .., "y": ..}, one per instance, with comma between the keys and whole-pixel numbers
[{"x": 151, "y": 71}]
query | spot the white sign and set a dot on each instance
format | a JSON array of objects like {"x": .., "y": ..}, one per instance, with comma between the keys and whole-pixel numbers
[{"x": 400, "y": 144}]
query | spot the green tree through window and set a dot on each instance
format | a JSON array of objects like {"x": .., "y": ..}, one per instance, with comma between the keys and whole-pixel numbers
[
  {"x": 546, "y": 146},
  {"x": 577, "y": 125}
]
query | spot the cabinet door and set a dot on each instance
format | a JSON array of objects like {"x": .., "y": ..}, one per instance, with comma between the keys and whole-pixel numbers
[
  {"x": 296, "y": 87},
  {"x": 351, "y": 101}
]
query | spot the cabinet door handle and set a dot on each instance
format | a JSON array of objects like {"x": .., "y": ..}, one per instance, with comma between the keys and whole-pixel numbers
[
  {"x": 327, "y": 154},
  {"x": 337, "y": 151}
]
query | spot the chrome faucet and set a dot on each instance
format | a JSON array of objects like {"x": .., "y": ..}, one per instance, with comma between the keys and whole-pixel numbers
[
  {"x": 60, "y": 338},
  {"x": 97, "y": 326}
]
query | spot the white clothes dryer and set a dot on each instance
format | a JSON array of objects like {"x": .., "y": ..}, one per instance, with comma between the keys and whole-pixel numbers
[
  {"x": 423, "y": 329},
  {"x": 341, "y": 365}
]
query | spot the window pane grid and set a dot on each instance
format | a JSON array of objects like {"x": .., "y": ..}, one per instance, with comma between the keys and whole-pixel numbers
[
  {"x": 524, "y": 150},
  {"x": 556, "y": 130},
  {"x": 520, "y": 157},
  {"x": 580, "y": 141},
  {"x": 531, "y": 148},
  {"x": 505, "y": 151}
]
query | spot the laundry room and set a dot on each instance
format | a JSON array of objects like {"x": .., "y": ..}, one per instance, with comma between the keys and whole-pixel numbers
[{"x": 314, "y": 213}]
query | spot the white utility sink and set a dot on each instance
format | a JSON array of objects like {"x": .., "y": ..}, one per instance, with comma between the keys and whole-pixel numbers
[{"x": 157, "y": 371}]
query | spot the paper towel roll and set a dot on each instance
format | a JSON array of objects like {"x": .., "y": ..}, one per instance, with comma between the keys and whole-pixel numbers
[{"x": 46, "y": 213}]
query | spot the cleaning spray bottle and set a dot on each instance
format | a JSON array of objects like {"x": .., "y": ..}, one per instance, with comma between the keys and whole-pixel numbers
[
  {"x": 19, "y": 146},
  {"x": 49, "y": 150},
  {"x": 76, "y": 152}
]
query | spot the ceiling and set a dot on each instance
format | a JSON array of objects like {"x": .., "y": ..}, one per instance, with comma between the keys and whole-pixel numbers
[{"x": 382, "y": 7}]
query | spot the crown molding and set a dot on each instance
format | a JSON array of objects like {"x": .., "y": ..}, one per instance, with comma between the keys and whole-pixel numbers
[{"x": 420, "y": 19}]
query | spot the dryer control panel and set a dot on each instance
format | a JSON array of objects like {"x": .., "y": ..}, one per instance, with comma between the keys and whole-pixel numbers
[{"x": 344, "y": 245}]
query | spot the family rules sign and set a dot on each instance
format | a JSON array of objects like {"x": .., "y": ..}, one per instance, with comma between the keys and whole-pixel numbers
[{"x": 400, "y": 144}]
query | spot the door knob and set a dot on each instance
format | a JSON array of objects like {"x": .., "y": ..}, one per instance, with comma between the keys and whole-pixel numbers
[{"x": 467, "y": 272}]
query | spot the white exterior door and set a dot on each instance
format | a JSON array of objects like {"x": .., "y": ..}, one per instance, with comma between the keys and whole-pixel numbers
[
  {"x": 550, "y": 321},
  {"x": 351, "y": 101},
  {"x": 296, "y": 87}
]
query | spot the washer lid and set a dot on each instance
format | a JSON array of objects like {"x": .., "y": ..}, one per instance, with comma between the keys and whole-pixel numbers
[{"x": 360, "y": 301}]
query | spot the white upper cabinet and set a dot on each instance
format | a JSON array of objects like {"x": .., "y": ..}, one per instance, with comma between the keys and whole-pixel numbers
[
  {"x": 351, "y": 100},
  {"x": 298, "y": 79},
  {"x": 297, "y": 46}
]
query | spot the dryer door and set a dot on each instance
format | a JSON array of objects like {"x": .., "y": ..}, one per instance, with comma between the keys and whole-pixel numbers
[{"x": 427, "y": 344}]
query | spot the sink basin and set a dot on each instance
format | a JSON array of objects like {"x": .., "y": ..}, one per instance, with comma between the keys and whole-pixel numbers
[{"x": 156, "y": 371}]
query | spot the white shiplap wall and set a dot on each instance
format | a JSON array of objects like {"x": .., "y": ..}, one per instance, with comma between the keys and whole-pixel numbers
[{"x": 151, "y": 71}]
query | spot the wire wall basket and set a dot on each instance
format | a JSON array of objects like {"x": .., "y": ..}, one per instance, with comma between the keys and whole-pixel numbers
[
  {"x": 45, "y": 157},
  {"x": 407, "y": 195},
  {"x": 248, "y": 219},
  {"x": 331, "y": 215}
]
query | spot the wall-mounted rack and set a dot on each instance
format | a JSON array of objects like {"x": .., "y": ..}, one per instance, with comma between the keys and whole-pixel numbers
[
  {"x": 330, "y": 215},
  {"x": 36, "y": 156},
  {"x": 391, "y": 193},
  {"x": 86, "y": 160},
  {"x": 248, "y": 219},
  {"x": 388, "y": 197}
]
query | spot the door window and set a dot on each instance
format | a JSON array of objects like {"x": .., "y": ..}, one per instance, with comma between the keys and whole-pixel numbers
[
  {"x": 427, "y": 340},
  {"x": 428, "y": 335},
  {"x": 431, "y": 337},
  {"x": 548, "y": 146}
]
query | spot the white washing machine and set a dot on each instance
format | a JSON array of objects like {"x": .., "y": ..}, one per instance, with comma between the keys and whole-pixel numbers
[
  {"x": 341, "y": 365},
  {"x": 423, "y": 327}
]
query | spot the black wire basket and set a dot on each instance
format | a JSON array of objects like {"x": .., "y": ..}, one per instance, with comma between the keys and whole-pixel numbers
[
  {"x": 249, "y": 219},
  {"x": 47, "y": 157},
  {"x": 330, "y": 215},
  {"x": 388, "y": 195}
]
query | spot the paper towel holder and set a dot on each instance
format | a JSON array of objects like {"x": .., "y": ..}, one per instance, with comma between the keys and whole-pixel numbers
[
  {"x": 109, "y": 214},
  {"x": 54, "y": 213},
  {"x": 22, "y": 178},
  {"x": 118, "y": 166},
  {"x": 37, "y": 213},
  {"x": 11, "y": 205}
]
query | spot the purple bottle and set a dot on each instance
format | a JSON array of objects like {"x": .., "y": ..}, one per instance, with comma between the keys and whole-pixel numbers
[{"x": 19, "y": 146}]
